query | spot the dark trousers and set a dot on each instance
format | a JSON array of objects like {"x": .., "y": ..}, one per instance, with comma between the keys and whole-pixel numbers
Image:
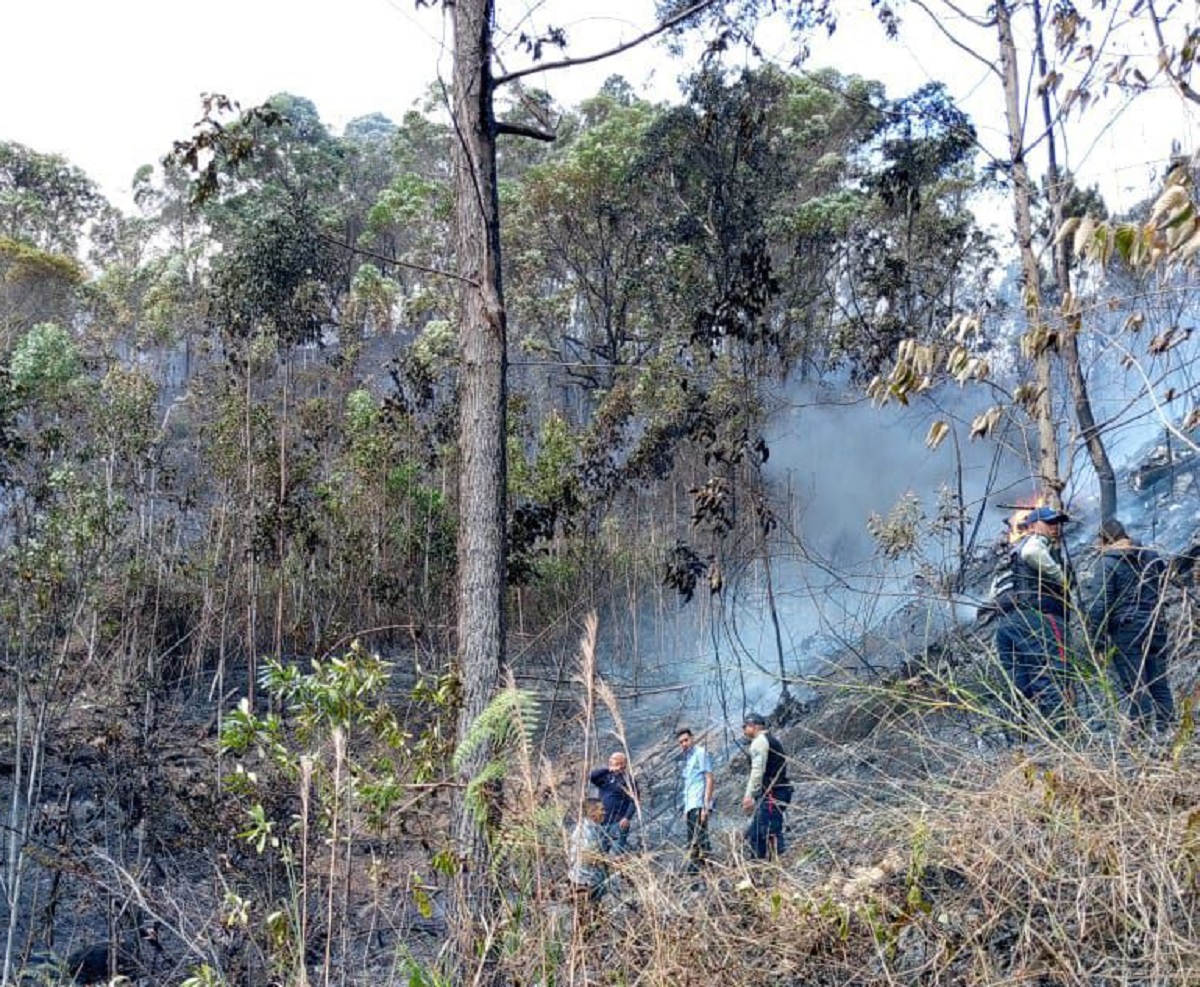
[
  {"x": 698, "y": 847},
  {"x": 1139, "y": 655},
  {"x": 615, "y": 839},
  {"x": 1032, "y": 647},
  {"x": 764, "y": 836}
]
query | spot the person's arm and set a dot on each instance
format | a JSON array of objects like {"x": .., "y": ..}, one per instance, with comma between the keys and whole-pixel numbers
[
  {"x": 758, "y": 765},
  {"x": 1036, "y": 551},
  {"x": 630, "y": 809},
  {"x": 706, "y": 771},
  {"x": 599, "y": 777}
]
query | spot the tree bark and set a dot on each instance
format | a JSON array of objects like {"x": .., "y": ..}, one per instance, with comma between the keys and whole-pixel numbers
[
  {"x": 1049, "y": 482},
  {"x": 1072, "y": 320},
  {"x": 481, "y": 445}
]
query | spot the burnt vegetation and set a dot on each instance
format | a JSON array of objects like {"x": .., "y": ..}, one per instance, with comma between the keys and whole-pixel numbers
[{"x": 235, "y": 743}]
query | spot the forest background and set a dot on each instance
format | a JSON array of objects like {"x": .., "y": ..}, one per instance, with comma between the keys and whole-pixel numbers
[{"x": 234, "y": 438}]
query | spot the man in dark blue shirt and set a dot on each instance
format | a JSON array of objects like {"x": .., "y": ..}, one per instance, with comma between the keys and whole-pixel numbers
[
  {"x": 618, "y": 793},
  {"x": 1126, "y": 612}
]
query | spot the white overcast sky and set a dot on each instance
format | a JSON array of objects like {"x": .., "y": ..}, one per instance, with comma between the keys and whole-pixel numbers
[{"x": 111, "y": 83}]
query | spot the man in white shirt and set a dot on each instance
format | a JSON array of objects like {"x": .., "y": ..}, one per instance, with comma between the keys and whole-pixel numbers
[
  {"x": 762, "y": 802},
  {"x": 1031, "y": 637}
]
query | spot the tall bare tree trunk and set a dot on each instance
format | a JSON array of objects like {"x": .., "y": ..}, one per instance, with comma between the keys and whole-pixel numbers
[
  {"x": 1072, "y": 319},
  {"x": 481, "y": 445},
  {"x": 1049, "y": 481},
  {"x": 251, "y": 629},
  {"x": 482, "y": 474},
  {"x": 280, "y": 522}
]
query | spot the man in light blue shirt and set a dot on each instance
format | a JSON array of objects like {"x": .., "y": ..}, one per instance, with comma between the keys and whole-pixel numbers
[{"x": 697, "y": 798}]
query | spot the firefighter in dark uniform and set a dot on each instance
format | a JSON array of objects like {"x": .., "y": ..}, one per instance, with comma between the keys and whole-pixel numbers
[{"x": 1126, "y": 613}]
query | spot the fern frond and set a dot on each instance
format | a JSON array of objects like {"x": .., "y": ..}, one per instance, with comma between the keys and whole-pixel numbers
[
  {"x": 523, "y": 839},
  {"x": 510, "y": 718},
  {"x": 480, "y": 794}
]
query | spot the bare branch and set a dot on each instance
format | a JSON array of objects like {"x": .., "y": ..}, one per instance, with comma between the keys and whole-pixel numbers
[
  {"x": 384, "y": 259},
  {"x": 938, "y": 23},
  {"x": 520, "y": 130},
  {"x": 1179, "y": 83},
  {"x": 699, "y": 7}
]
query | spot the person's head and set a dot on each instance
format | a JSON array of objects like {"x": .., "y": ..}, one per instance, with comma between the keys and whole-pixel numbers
[
  {"x": 1111, "y": 531},
  {"x": 753, "y": 724},
  {"x": 617, "y": 761},
  {"x": 1046, "y": 521},
  {"x": 684, "y": 736},
  {"x": 593, "y": 809}
]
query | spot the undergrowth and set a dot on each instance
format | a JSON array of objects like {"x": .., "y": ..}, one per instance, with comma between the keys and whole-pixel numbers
[{"x": 963, "y": 841}]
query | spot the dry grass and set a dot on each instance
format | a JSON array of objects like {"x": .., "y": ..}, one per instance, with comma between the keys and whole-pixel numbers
[
  {"x": 924, "y": 852},
  {"x": 1072, "y": 869}
]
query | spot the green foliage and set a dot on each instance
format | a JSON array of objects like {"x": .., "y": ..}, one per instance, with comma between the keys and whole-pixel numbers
[
  {"x": 508, "y": 724},
  {"x": 918, "y": 861},
  {"x": 335, "y": 761},
  {"x": 434, "y": 746},
  {"x": 260, "y": 832},
  {"x": 412, "y": 973},
  {"x": 373, "y": 298},
  {"x": 44, "y": 364},
  {"x": 366, "y": 444},
  {"x": 275, "y": 280},
  {"x": 168, "y": 292},
  {"x": 22, "y": 262},
  {"x": 445, "y": 862},
  {"x": 344, "y": 696},
  {"x": 436, "y": 345},
  {"x": 44, "y": 200},
  {"x": 552, "y": 477},
  {"x": 404, "y": 481},
  {"x": 203, "y": 976},
  {"x": 347, "y": 692},
  {"x": 243, "y": 731},
  {"x": 65, "y": 544},
  {"x": 509, "y": 720},
  {"x": 125, "y": 404},
  {"x": 409, "y": 200},
  {"x": 834, "y": 213},
  {"x": 557, "y": 460}
]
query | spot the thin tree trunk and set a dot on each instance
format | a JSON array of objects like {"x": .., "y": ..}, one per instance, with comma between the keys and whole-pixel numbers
[
  {"x": 248, "y": 533},
  {"x": 764, "y": 543},
  {"x": 1049, "y": 481},
  {"x": 1072, "y": 319},
  {"x": 280, "y": 527}
]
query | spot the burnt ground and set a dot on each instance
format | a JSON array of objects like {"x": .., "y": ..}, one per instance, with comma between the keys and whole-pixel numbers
[
  {"x": 132, "y": 841},
  {"x": 127, "y": 827}
]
